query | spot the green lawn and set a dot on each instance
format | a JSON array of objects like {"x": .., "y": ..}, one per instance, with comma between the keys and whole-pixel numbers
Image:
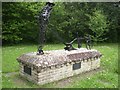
[{"x": 107, "y": 77}]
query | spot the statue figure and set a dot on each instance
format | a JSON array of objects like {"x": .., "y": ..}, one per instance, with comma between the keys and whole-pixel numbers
[
  {"x": 88, "y": 41},
  {"x": 79, "y": 41},
  {"x": 43, "y": 21}
]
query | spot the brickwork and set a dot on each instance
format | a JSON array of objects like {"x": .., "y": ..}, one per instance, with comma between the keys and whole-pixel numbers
[
  {"x": 58, "y": 73},
  {"x": 56, "y": 65}
]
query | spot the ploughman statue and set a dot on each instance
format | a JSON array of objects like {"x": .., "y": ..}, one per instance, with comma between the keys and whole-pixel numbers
[{"x": 43, "y": 19}]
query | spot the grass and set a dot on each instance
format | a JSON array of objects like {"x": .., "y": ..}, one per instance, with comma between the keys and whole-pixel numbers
[
  {"x": 106, "y": 78},
  {"x": 10, "y": 53}
]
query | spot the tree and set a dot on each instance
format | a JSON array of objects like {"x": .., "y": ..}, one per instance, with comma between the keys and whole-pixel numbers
[
  {"x": 19, "y": 22},
  {"x": 100, "y": 20},
  {"x": 99, "y": 25}
]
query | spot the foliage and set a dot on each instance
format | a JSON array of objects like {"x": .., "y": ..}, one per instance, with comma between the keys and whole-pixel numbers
[
  {"x": 20, "y": 24},
  {"x": 98, "y": 25},
  {"x": 113, "y": 17}
]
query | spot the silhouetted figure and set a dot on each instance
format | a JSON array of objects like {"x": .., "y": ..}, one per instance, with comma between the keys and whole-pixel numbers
[
  {"x": 43, "y": 21},
  {"x": 88, "y": 41},
  {"x": 79, "y": 41}
]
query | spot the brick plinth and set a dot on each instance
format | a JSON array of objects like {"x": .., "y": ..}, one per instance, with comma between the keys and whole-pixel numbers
[{"x": 58, "y": 64}]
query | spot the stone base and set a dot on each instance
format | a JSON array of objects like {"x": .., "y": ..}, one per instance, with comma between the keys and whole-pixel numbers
[{"x": 59, "y": 64}]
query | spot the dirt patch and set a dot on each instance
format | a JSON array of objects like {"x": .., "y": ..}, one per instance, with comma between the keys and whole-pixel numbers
[
  {"x": 10, "y": 74},
  {"x": 18, "y": 81}
]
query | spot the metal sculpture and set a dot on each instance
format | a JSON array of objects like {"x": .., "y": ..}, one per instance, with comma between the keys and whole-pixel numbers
[
  {"x": 87, "y": 38},
  {"x": 43, "y": 21},
  {"x": 88, "y": 41},
  {"x": 68, "y": 46},
  {"x": 79, "y": 41}
]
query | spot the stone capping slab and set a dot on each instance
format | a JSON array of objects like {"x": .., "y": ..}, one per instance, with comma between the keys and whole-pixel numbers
[{"x": 55, "y": 58}]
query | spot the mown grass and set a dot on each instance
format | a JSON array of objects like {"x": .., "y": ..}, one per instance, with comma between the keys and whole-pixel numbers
[
  {"x": 10, "y": 53},
  {"x": 107, "y": 78}
]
